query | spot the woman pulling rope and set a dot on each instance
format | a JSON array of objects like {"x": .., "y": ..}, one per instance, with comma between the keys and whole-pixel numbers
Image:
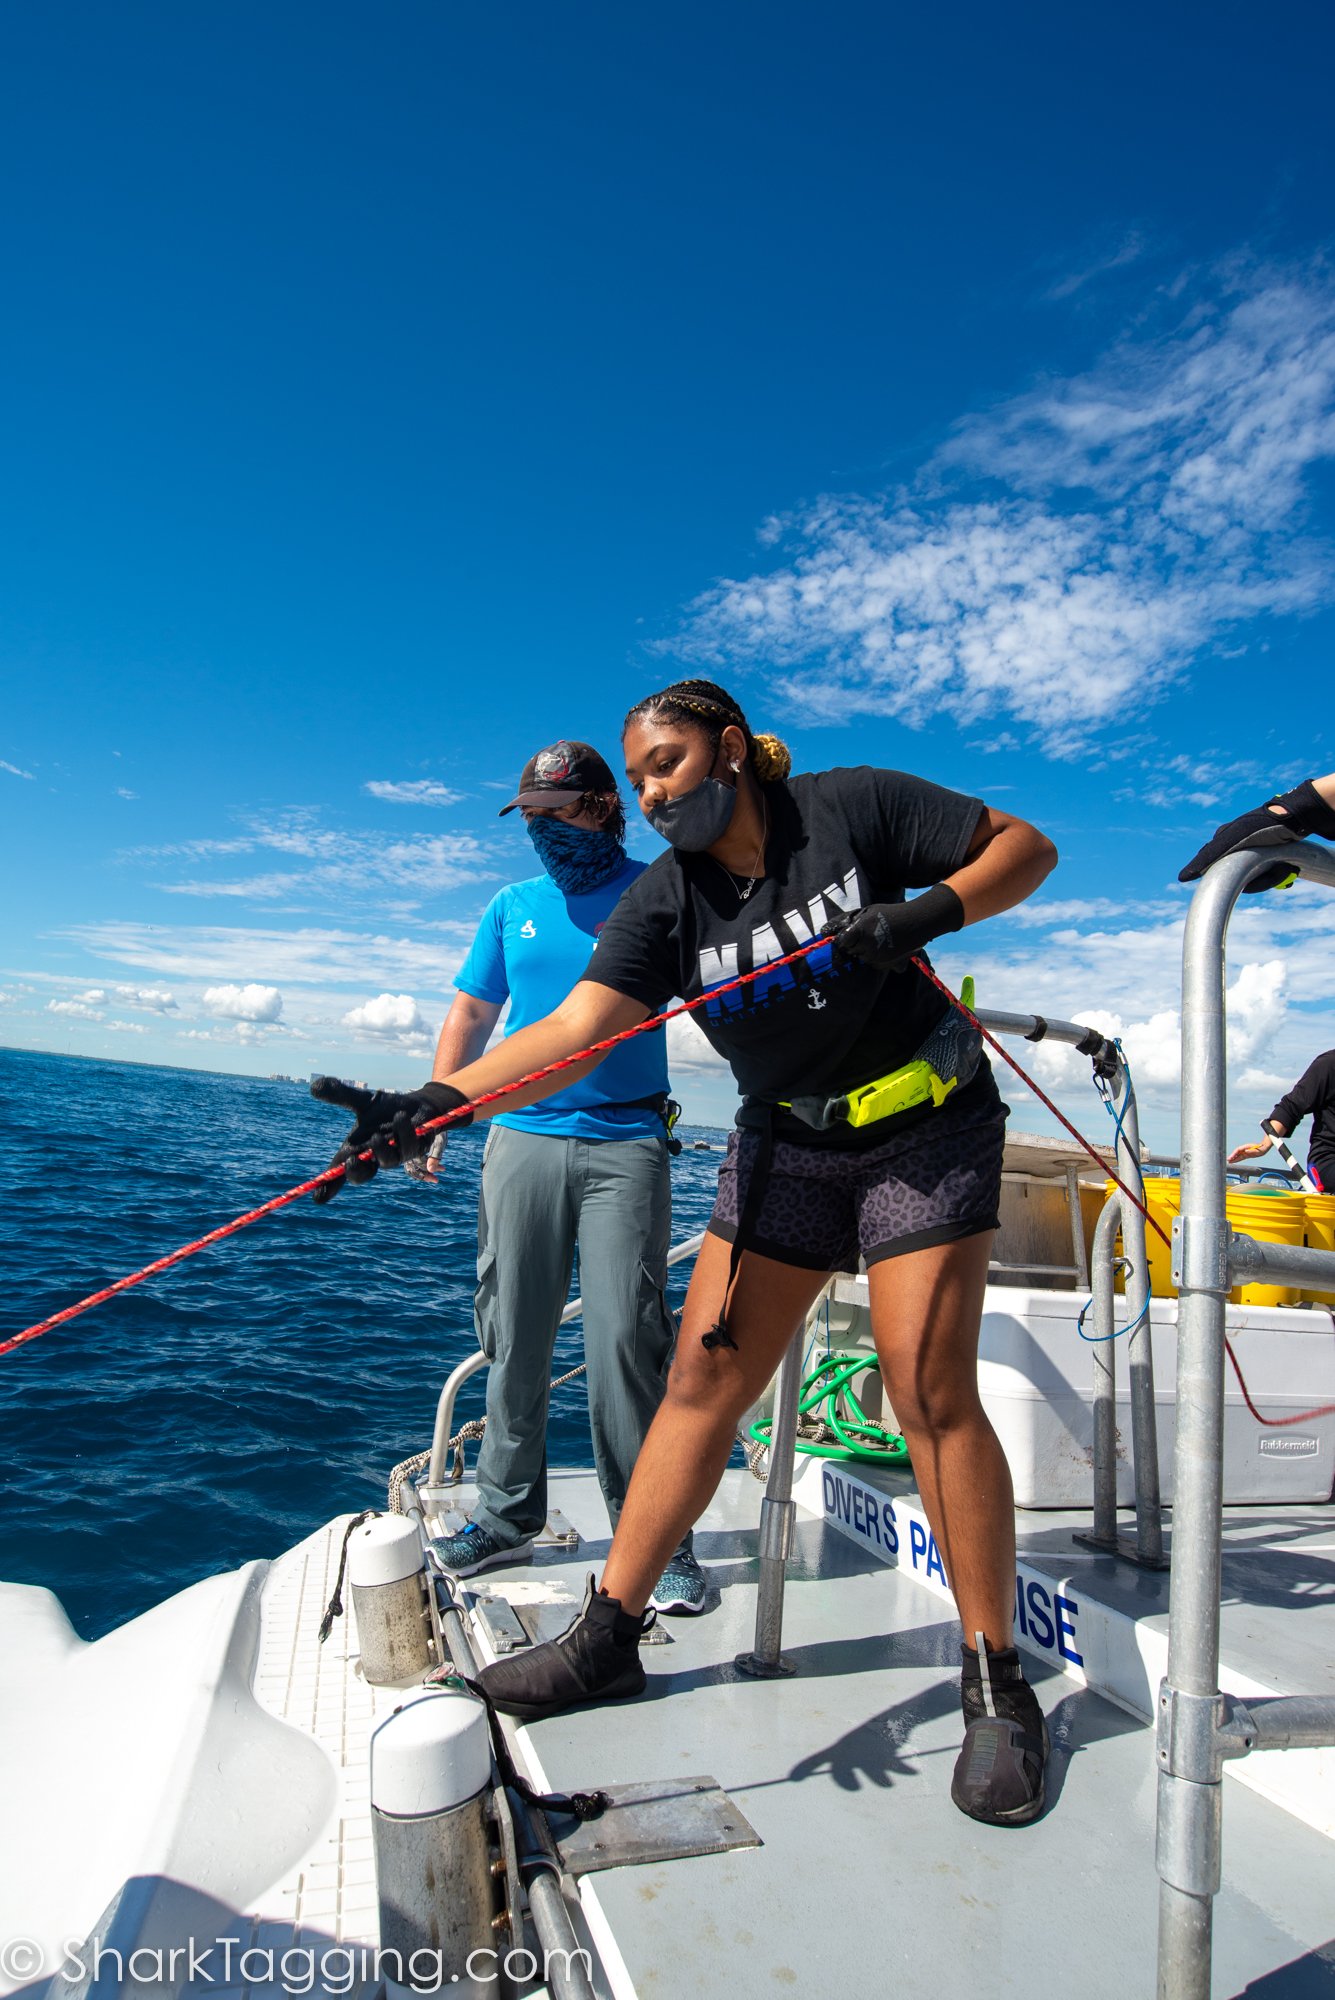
[{"x": 870, "y": 1125}]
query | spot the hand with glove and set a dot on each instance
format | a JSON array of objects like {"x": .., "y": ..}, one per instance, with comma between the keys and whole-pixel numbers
[
  {"x": 886, "y": 935},
  {"x": 1304, "y": 810},
  {"x": 386, "y": 1124}
]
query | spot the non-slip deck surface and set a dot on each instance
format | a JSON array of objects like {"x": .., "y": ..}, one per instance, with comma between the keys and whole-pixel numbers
[{"x": 869, "y": 1878}]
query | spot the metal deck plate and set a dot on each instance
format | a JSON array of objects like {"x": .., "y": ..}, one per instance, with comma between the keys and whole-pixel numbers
[
  {"x": 664, "y": 1820},
  {"x": 557, "y": 1533},
  {"x": 503, "y": 1629},
  {"x": 548, "y": 1621}
]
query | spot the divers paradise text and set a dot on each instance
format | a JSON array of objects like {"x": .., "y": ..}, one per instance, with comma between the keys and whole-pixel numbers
[{"x": 1046, "y": 1617}]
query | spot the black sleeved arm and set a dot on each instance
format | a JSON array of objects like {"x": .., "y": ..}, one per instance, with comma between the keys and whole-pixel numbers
[
  {"x": 912, "y": 832},
  {"x": 1314, "y": 1089},
  {"x": 636, "y": 953}
]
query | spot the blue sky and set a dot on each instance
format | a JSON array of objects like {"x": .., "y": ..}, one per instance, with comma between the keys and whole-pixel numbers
[{"x": 388, "y": 394}]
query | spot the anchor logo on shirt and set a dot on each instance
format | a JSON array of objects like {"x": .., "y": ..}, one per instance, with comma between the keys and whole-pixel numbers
[
  {"x": 815, "y": 1001},
  {"x": 527, "y": 929}
]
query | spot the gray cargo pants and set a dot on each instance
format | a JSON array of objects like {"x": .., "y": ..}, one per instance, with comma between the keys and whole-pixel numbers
[{"x": 541, "y": 1195}]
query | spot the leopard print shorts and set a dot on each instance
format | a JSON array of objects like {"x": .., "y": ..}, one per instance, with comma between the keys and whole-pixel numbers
[{"x": 824, "y": 1207}]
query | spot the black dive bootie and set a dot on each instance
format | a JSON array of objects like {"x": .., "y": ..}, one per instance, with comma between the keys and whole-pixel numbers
[
  {"x": 999, "y": 1772},
  {"x": 595, "y": 1659}
]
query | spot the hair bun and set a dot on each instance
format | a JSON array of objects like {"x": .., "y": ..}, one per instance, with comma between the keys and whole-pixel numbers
[{"x": 771, "y": 758}]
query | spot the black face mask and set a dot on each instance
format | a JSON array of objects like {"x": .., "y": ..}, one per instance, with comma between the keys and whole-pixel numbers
[{"x": 698, "y": 818}]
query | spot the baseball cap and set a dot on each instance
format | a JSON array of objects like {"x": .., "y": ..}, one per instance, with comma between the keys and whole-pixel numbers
[{"x": 561, "y": 772}]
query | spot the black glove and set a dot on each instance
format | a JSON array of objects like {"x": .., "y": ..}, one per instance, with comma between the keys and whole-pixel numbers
[
  {"x": 886, "y": 935},
  {"x": 1305, "y": 811},
  {"x": 386, "y": 1123}
]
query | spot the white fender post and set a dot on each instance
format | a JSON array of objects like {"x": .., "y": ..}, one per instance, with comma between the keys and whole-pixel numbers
[
  {"x": 386, "y": 1570},
  {"x": 430, "y": 1782}
]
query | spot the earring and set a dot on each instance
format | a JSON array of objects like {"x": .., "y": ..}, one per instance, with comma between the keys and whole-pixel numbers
[{"x": 734, "y": 767}]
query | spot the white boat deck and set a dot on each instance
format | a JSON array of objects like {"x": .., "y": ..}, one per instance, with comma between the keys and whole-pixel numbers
[
  {"x": 868, "y": 1875},
  {"x": 242, "y": 1828}
]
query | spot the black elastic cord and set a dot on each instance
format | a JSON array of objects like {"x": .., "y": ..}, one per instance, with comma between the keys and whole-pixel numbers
[
  {"x": 718, "y": 1335},
  {"x": 580, "y": 1805},
  {"x": 334, "y": 1608}
]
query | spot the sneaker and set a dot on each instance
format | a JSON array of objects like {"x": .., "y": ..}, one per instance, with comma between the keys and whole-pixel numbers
[
  {"x": 682, "y": 1589},
  {"x": 595, "y": 1659},
  {"x": 999, "y": 1771},
  {"x": 475, "y": 1548}
]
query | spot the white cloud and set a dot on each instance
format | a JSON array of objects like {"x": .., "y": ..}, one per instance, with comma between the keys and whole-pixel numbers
[
  {"x": 1126, "y": 980},
  {"x": 334, "y": 863},
  {"x": 1132, "y": 517},
  {"x": 14, "y": 770},
  {"x": 1129, "y": 250},
  {"x": 1199, "y": 782},
  {"x": 77, "y": 1010},
  {"x": 244, "y": 1003},
  {"x": 244, "y": 1034},
  {"x": 687, "y": 1048},
  {"x": 412, "y": 792},
  {"x": 1217, "y": 419},
  {"x": 417, "y": 867},
  {"x": 1047, "y": 912},
  {"x": 146, "y": 999},
  {"x": 391, "y": 1017},
  {"x": 306, "y": 957},
  {"x": 1257, "y": 1006},
  {"x": 123, "y": 793},
  {"x": 126, "y": 1028}
]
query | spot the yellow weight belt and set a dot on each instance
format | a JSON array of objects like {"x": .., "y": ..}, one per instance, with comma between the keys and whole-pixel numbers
[{"x": 912, "y": 1084}]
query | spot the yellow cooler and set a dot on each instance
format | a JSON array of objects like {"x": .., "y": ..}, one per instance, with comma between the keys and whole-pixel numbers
[
  {"x": 1270, "y": 1218},
  {"x": 1320, "y": 1234}
]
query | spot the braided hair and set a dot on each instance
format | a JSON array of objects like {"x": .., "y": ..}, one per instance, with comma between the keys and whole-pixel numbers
[{"x": 712, "y": 708}]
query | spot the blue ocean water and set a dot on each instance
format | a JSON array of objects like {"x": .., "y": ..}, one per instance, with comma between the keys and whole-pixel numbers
[{"x": 223, "y": 1409}]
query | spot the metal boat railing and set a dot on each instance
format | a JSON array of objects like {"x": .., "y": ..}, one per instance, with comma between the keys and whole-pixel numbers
[{"x": 1199, "y": 1729}]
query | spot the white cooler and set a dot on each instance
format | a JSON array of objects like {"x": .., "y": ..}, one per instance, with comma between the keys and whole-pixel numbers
[{"x": 1036, "y": 1376}]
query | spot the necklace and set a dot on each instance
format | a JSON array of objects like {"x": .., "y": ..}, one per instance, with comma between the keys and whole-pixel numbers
[{"x": 756, "y": 869}]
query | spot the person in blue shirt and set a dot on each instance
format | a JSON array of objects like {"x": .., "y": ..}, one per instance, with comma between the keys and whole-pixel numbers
[{"x": 586, "y": 1168}]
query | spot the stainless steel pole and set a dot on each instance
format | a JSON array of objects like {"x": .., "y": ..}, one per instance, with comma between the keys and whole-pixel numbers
[
  {"x": 766, "y": 1661},
  {"x": 1189, "y": 1833},
  {"x": 1140, "y": 1351},
  {"x": 540, "y": 1863},
  {"x": 1191, "y": 1740},
  {"x": 1078, "y": 1254},
  {"x": 1103, "y": 1285}
]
